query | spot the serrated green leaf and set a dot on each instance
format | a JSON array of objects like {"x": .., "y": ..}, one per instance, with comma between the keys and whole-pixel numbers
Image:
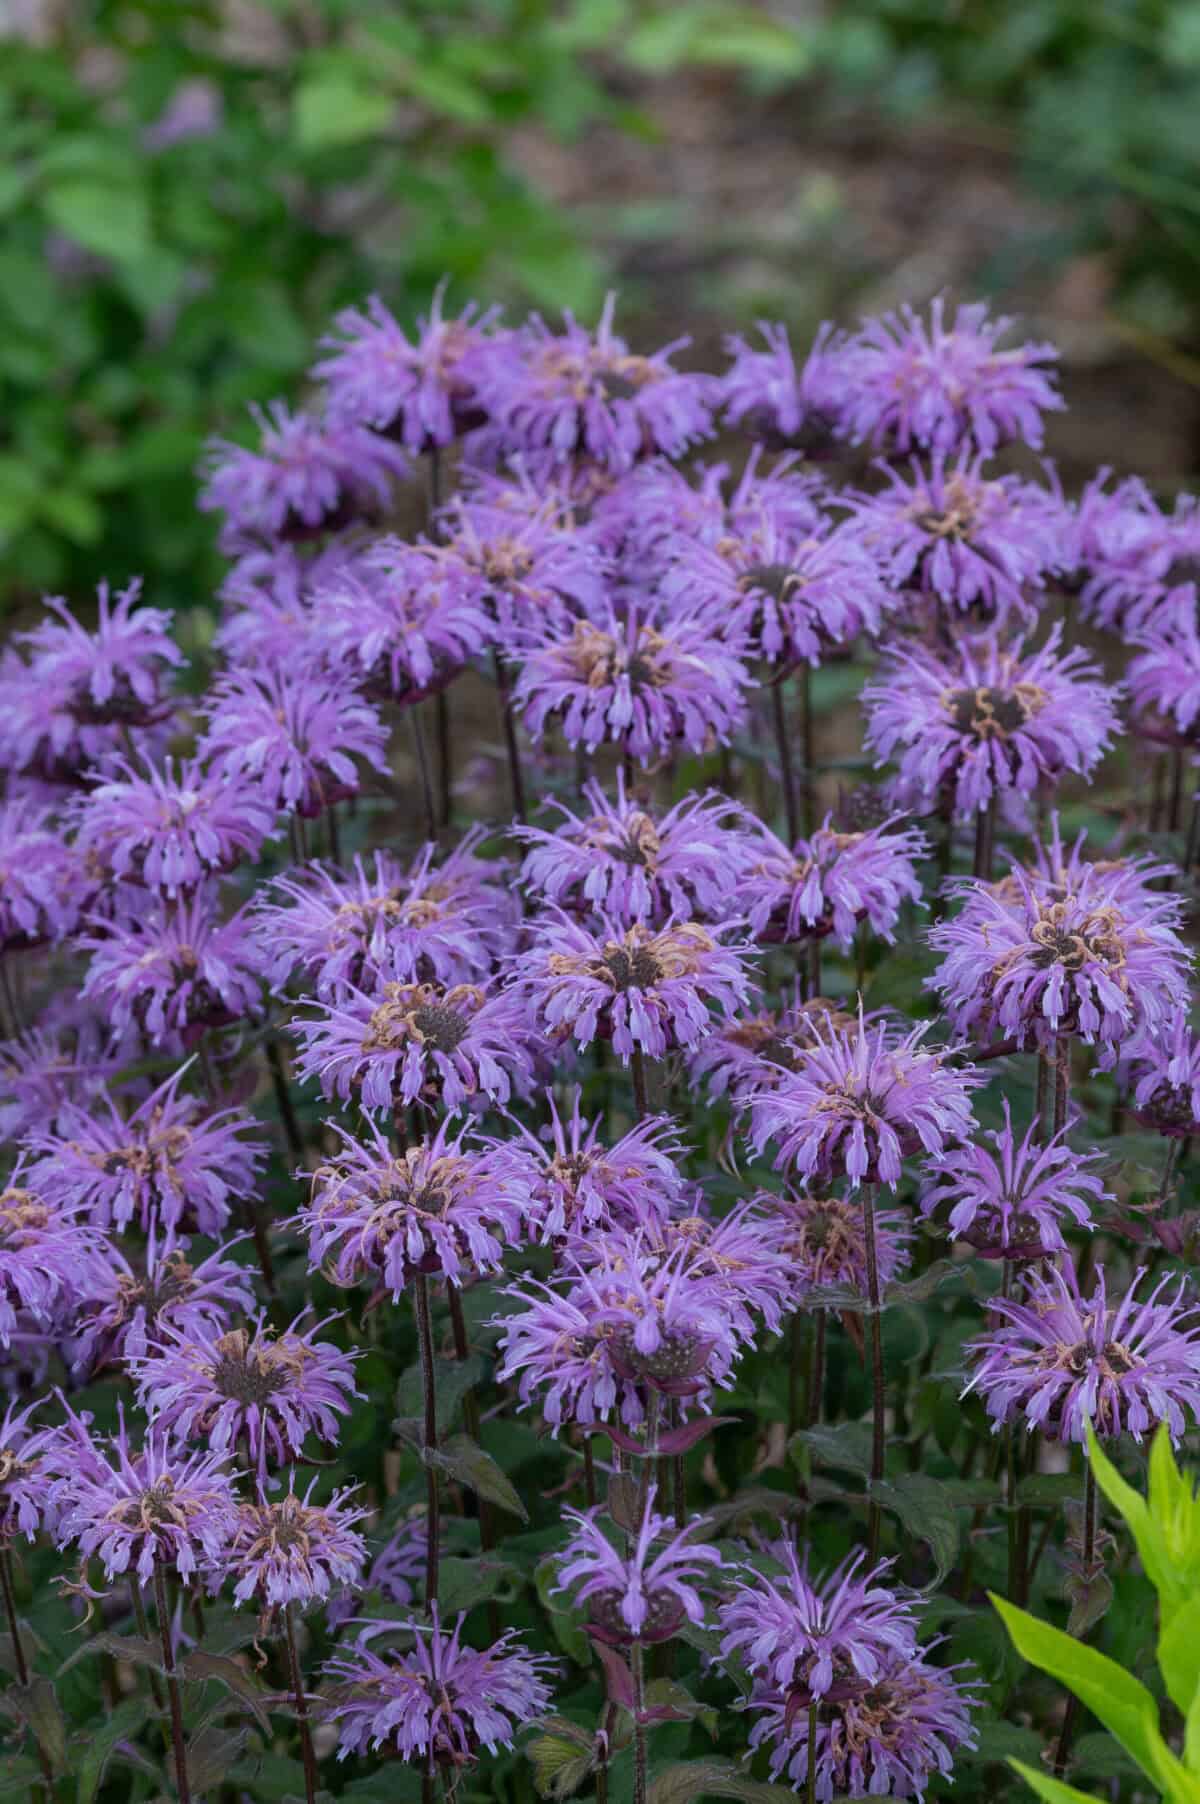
[
  {"x": 845, "y": 1445},
  {"x": 925, "y": 1510},
  {"x": 98, "y": 1746},
  {"x": 464, "y": 1460}
]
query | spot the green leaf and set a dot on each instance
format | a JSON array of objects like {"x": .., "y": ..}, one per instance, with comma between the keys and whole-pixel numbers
[
  {"x": 452, "y": 1378},
  {"x": 999, "y": 1740},
  {"x": 561, "y": 1758},
  {"x": 846, "y": 1445},
  {"x": 336, "y": 108},
  {"x": 926, "y": 1511},
  {"x": 470, "y": 1465},
  {"x": 1053, "y": 1790},
  {"x": 464, "y": 1583},
  {"x": 211, "y": 1754},
  {"x": 133, "y": 1648},
  {"x": 200, "y": 1665},
  {"x": 110, "y": 218},
  {"x": 19, "y": 1777},
  {"x": 100, "y": 1743},
  {"x": 38, "y": 1706},
  {"x": 689, "y": 1779},
  {"x": 670, "y": 1695}
]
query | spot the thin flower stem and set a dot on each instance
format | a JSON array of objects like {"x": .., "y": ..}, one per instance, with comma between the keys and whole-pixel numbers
[
  {"x": 875, "y": 1332},
  {"x": 787, "y": 775},
  {"x": 985, "y": 838},
  {"x": 429, "y": 1438},
  {"x": 640, "y": 1096},
  {"x": 142, "y": 1622},
  {"x": 335, "y": 833},
  {"x": 1043, "y": 1088},
  {"x": 311, "y": 1779},
  {"x": 639, "y": 1728},
  {"x": 816, "y": 1372},
  {"x": 178, "y": 1744},
  {"x": 487, "y": 1522},
  {"x": 814, "y": 969},
  {"x": 795, "y": 1357},
  {"x": 810, "y": 1792},
  {"x": 807, "y": 785},
  {"x": 515, "y": 775},
  {"x": 1167, "y": 1183},
  {"x": 589, "y": 1470},
  {"x": 288, "y": 1119},
  {"x": 422, "y": 755},
  {"x": 1062, "y": 1079},
  {"x": 1067, "y": 1733},
  {"x": 18, "y": 1647},
  {"x": 1175, "y": 818}
]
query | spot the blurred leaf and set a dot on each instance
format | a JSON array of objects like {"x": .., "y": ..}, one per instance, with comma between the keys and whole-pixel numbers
[
  {"x": 452, "y": 1378},
  {"x": 464, "y": 1583},
  {"x": 336, "y": 108},
  {"x": 211, "y": 1753},
  {"x": 561, "y": 1758},
  {"x": 845, "y": 1445},
  {"x": 110, "y": 218}
]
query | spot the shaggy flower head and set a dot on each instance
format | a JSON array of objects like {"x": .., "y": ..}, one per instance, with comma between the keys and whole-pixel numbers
[
  {"x": 936, "y": 383},
  {"x": 417, "y": 1042},
  {"x": 827, "y": 885},
  {"x": 770, "y": 396},
  {"x": 43, "y": 886},
  {"x": 247, "y": 1386},
  {"x": 168, "y": 1164},
  {"x": 644, "y": 991},
  {"x": 516, "y": 548},
  {"x": 292, "y": 737},
  {"x": 440, "y": 1702},
  {"x": 293, "y": 1551},
  {"x": 983, "y": 719},
  {"x": 24, "y": 1472},
  {"x": 174, "y": 969},
  {"x": 823, "y": 1241},
  {"x": 862, "y": 1101},
  {"x": 1061, "y": 1360},
  {"x": 644, "y": 1595},
  {"x": 129, "y": 1307},
  {"x": 118, "y": 673},
  {"x": 1164, "y": 678},
  {"x": 412, "y": 389},
  {"x": 47, "y": 1256},
  {"x": 622, "y": 860},
  {"x": 437, "y": 1207},
  {"x": 756, "y": 1052},
  {"x": 642, "y": 682},
  {"x": 403, "y": 619},
  {"x": 135, "y": 1509},
  {"x": 1012, "y": 1203},
  {"x": 169, "y": 827},
  {"x": 1165, "y": 1066}
]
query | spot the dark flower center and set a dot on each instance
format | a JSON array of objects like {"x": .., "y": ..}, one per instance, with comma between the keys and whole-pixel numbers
[
  {"x": 775, "y": 580},
  {"x": 1096, "y": 939},
  {"x": 246, "y": 1373},
  {"x": 663, "y": 1615},
  {"x": 990, "y": 713},
  {"x": 617, "y": 387},
  {"x": 440, "y": 1026},
  {"x": 632, "y": 970},
  {"x": 676, "y": 1356}
]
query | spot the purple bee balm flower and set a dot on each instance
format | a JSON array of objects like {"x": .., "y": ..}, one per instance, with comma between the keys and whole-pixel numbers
[
  {"x": 129, "y": 1306},
  {"x": 552, "y": 398},
  {"x": 269, "y": 617},
  {"x": 44, "y": 886},
  {"x": 936, "y": 383},
  {"x": 1013, "y": 1203},
  {"x": 417, "y": 1042},
  {"x": 765, "y": 392},
  {"x": 293, "y": 737},
  {"x": 411, "y": 388},
  {"x": 133, "y": 1509},
  {"x": 975, "y": 544},
  {"x": 117, "y": 674},
  {"x": 170, "y": 826},
  {"x": 569, "y": 1183},
  {"x": 983, "y": 720},
  {"x": 441, "y": 920},
  {"x": 1031, "y": 961},
  {"x": 438, "y": 1703},
  {"x": 404, "y": 618},
  {"x": 643, "y": 682},
  {"x": 23, "y": 1482},
  {"x": 887, "y": 1739},
  {"x": 860, "y": 1102},
  {"x": 756, "y": 1052},
  {"x": 397, "y": 1572},
  {"x": 1164, "y": 677},
  {"x": 516, "y": 551},
  {"x": 646, "y": 991},
  {"x": 645, "y": 1594},
  {"x": 822, "y": 1240},
  {"x": 739, "y": 1253},
  {"x": 292, "y": 1551},
  {"x": 47, "y": 1256},
  {"x": 818, "y": 1637},
  {"x": 309, "y": 476},
  {"x": 626, "y": 862},
  {"x": 169, "y": 1164},
  {"x": 247, "y": 1386},
  {"x": 67, "y": 1058},
  {"x": 825, "y": 886},
  {"x": 441, "y": 1206},
  {"x": 1165, "y": 1069},
  {"x": 1127, "y": 552},
  {"x": 174, "y": 970},
  {"x": 1061, "y": 1360}
]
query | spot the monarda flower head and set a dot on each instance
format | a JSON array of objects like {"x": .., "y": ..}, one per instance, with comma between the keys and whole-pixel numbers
[
  {"x": 169, "y": 827},
  {"x": 551, "y": 398},
  {"x": 772, "y": 397},
  {"x": 247, "y": 1386},
  {"x": 983, "y": 720},
  {"x": 442, "y": 920},
  {"x": 1128, "y": 553},
  {"x": 135, "y": 1508},
  {"x": 976, "y": 545},
  {"x": 418, "y": 1042},
  {"x": 827, "y": 884},
  {"x": 738, "y": 1253},
  {"x": 174, "y": 970},
  {"x": 309, "y": 476},
  {"x": 440, "y": 1206},
  {"x": 1165, "y": 1068},
  {"x": 937, "y": 383},
  {"x": 862, "y": 1101},
  {"x": 1061, "y": 1360},
  {"x": 753, "y": 1052},
  {"x": 570, "y": 1183},
  {"x": 647, "y": 682},
  {"x": 130, "y": 1305},
  {"x": 47, "y": 1255},
  {"x": 438, "y": 1703},
  {"x": 44, "y": 886},
  {"x": 517, "y": 551},
  {"x": 412, "y": 389},
  {"x": 1026, "y": 960},
  {"x": 1013, "y": 1203},
  {"x": 117, "y": 675},
  {"x": 25, "y": 1472},
  {"x": 402, "y": 620},
  {"x": 169, "y": 1164},
  {"x": 645, "y": 1594},
  {"x": 1164, "y": 677},
  {"x": 646, "y": 991},
  {"x": 822, "y": 1241},
  {"x": 289, "y": 1550},
  {"x": 294, "y": 736},
  {"x": 624, "y": 860}
]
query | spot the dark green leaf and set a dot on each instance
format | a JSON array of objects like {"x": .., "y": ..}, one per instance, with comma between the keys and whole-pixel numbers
[
  {"x": 926, "y": 1511},
  {"x": 470, "y": 1465},
  {"x": 92, "y": 1762},
  {"x": 561, "y": 1758},
  {"x": 210, "y": 1755},
  {"x": 200, "y": 1665},
  {"x": 464, "y": 1583},
  {"x": 453, "y": 1378},
  {"x": 692, "y": 1779},
  {"x": 845, "y": 1445}
]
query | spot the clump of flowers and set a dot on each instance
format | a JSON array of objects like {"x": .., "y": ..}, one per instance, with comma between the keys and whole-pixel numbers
[
  {"x": 825, "y": 886},
  {"x": 170, "y": 827}
]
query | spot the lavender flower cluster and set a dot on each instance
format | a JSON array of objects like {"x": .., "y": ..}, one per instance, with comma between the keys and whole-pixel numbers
[{"x": 574, "y": 1106}]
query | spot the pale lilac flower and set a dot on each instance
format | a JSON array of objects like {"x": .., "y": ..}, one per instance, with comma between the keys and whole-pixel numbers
[
  {"x": 248, "y": 1387},
  {"x": 170, "y": 826},
  {"x": 1165, "y": 1068},
  {"x": 417, "y": 1042},
  {"x": 1060, "y": 1360},
  {"x": 289, "y": 1550},
  {"x": 119, "y": 673},
  {"x": 645, "y": 1594},
  {"x": 624, "y": 860},
  {"x": 939, "y": 382},
  {"x": 397, "y": 1572},
  {"x": 47, "y": 1255},
  {"x": 294, "y": 738},
  {"x": 823, "y": 1241},
  {"x": 174, "y": 970},
  {"x": 739, "y": 1254},
  {"x": 860, "y": 1102},
  {"x": 44, "y": 886},
  {"x": 645, "y": 991},
  {"x": 403, "y": 618},
  {"x": 440, "y": 1702},
  {"x": 412, "y": 389},
  {"x": 1164, "y": 676},
  {"x": 1128, "y": 553},
  {"x": 440, "y": 1206},
  {"x": 517, "y": 551},
  {"x": 67, "y": 1058},
  {"x": 23, "y": 1482},
  {"x": 770, "y": 396},
  {"x": 129, "y": 1305},
  {"x": 827, "y": 884},
  {"x": 1013, "y": 1203},
  {"x": 753, "y": 1052}
]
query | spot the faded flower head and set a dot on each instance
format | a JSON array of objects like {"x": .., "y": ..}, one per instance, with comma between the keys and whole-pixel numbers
[
  {"x": 289, "y": 1550},
  {"x": 826, "y": 885},
  {"x": 645, "y": 1594},
  {"x": 412, "y": 389},
  {"x": 1013, "y": 1203}
]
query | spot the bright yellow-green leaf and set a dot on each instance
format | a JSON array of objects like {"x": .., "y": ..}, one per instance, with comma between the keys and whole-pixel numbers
[
  {"x": 337, "y": 108},
  {"x": 1053, "y": 1790}
]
